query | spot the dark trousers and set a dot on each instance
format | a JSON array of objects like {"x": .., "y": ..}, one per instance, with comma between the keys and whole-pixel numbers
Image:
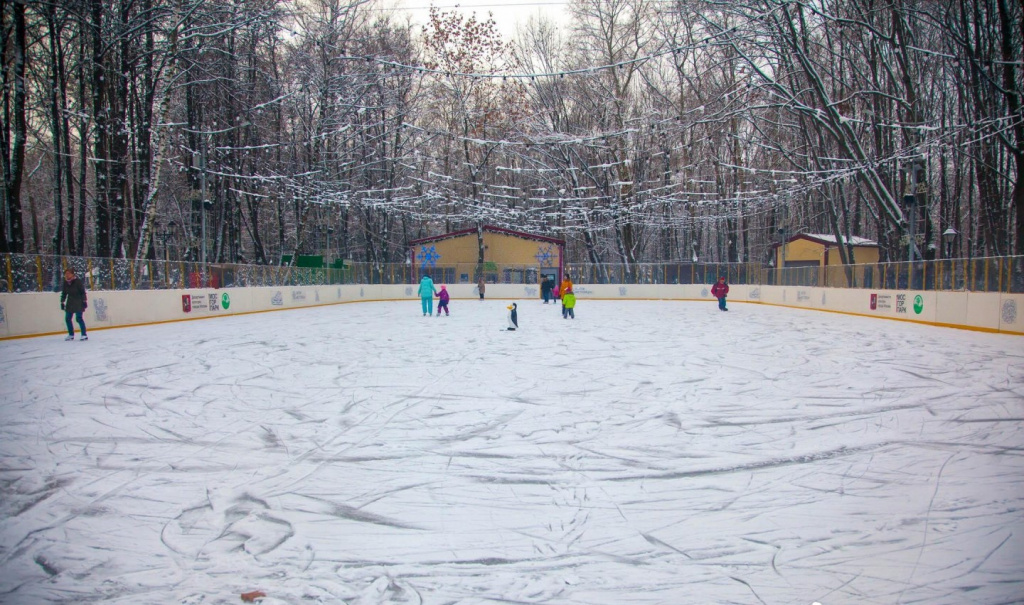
[
  {"x": 721, "y": 303},
  {"x": 442, "y": 305},
  {"x": 78, "y": 318}
]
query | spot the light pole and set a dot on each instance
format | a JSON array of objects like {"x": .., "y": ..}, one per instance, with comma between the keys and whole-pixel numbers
[
  {"x": 949, "y": 236},
  {"x": 202, "y": 200},
  {"x": 164, "y": 235},
  {"x": 782, "y": 245}
]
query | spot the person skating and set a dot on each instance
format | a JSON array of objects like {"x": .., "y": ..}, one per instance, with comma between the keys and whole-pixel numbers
[
  {"x": 73, "y": 301},
  {"x": 426, "y": 292},
  {"x": 719, "y": 291},
  {"x": 566, "y": 285},
  {"x": 513, "y": 317},
  {"x": 442, "y": 302},
  {"x": 564, "y": 290},
  {"x": 569, "y": 305},
  {"x": 481, "y": 286},
  {"x": 546, "y": 287}
]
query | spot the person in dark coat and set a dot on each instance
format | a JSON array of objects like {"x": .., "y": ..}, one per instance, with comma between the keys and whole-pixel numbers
[
  {"x": 719, "y": 291},
  {"x": 546, "y": 287},
  {"x": 73, "y": 301}
]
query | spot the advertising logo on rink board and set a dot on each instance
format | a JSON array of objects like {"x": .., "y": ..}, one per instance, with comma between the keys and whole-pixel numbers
[
  {"x": 101, "y": 309},
  {"x": 1009, "y": 311}
]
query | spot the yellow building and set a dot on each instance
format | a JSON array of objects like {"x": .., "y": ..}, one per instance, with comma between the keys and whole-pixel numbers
[
  {"x": 816, "y": 258},
  {"x": 511, "y": 257}
]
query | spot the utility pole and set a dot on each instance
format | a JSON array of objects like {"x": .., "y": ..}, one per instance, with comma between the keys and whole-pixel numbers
[
  {"x": 911, "y": 203},
  {"x": 202, "y": 200}
]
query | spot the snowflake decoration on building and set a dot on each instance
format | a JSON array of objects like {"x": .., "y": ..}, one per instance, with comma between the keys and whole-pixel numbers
[
  {"x": 428, "y": 256},
  {"x": 545, "y": 255}
]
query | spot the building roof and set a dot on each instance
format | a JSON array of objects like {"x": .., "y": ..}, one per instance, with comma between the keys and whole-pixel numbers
[
  {"x": 490, "y": 229},
  {"x": 830, "y": 240}
]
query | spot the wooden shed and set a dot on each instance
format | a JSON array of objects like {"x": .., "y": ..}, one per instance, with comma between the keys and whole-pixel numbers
[
  {"x": 509, "y": 256},
  {"x": 818, "y": 252}
]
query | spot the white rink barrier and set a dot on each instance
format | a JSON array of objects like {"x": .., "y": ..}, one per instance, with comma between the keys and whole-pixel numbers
[{"x": 38, "y": 313}]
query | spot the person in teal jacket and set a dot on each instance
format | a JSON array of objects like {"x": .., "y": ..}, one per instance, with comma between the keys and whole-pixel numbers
[{"x": 427, "y": 295}]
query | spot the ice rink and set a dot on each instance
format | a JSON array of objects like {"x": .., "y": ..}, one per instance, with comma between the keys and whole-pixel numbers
[{"x": 643, "y": 453}]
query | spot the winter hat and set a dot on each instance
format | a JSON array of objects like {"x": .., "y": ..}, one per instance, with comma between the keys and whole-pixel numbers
[{"x": 442, "y": 287}]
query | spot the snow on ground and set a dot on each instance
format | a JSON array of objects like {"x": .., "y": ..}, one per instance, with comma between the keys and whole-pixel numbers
[{"x": 646, "y": 452}]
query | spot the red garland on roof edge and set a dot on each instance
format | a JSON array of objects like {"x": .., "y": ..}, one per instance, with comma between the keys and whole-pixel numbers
[{"x": 490, "y": 228}]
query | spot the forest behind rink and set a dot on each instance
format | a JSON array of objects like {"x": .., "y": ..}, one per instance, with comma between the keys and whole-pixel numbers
[{"x": 639, "y": 130}]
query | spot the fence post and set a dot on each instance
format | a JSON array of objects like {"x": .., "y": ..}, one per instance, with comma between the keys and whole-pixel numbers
[{"x": 10, "y": 273}]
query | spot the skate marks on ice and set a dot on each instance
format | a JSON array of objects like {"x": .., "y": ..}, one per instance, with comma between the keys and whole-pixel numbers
[{"x": 643, "y": 453}]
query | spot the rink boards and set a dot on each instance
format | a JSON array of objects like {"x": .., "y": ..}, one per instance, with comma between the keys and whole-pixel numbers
[{"x": 36, "y": 314}]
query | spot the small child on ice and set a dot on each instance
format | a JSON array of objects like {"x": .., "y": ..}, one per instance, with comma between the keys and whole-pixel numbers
[
  {"x": 719, "y": 291},
  {"x": 513, "y": 317},
  {"x": 443, "y": 301},
  {"x": 569, "y": 305}
]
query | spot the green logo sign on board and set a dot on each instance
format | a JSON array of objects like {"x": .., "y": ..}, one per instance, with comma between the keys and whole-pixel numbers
[
  {"x": 918, "y": 304},
  {"x": 225, "y": 300}
]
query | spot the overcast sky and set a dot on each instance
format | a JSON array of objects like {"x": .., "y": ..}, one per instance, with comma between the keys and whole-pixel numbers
[{"x": 507, "y": 14}]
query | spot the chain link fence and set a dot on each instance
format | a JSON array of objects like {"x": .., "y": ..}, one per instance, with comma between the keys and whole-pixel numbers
[{"x": 37, "y": 273}]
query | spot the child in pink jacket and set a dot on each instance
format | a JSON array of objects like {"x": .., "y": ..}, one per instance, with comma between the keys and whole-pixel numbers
[{"x": 443, "y": 302}]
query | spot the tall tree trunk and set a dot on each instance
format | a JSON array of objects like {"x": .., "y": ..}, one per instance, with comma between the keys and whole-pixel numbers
[
  {"x": 14, "y": 131},
  {"x": 56, "y": 125},
  {"x": 160, "y": 141},
  {"x": 119, "y": 152},
  {"x": 101, "y": 166}
]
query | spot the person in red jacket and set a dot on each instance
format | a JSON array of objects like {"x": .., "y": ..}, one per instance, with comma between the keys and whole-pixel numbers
[{"x": 719, "y": 291}]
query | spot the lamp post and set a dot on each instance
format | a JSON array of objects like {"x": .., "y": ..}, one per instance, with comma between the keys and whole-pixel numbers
[
  {"x": 781, "y": 269},
  {"x": 949, "y": 236},
  {"x": 164, "y": 235},
  {"x": 202, "y": 201}
]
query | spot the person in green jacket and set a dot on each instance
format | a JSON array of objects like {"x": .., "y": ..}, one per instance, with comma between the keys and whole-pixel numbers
[
  {"x": 427, "y": 293},
  {"x": 568, "y": 305}
]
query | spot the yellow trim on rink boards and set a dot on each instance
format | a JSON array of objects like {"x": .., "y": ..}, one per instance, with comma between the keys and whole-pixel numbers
[{"x": 700, "y": 300}]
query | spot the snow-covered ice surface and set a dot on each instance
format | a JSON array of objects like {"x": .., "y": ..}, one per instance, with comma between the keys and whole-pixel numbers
[{"x": 647, "y": 452}]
